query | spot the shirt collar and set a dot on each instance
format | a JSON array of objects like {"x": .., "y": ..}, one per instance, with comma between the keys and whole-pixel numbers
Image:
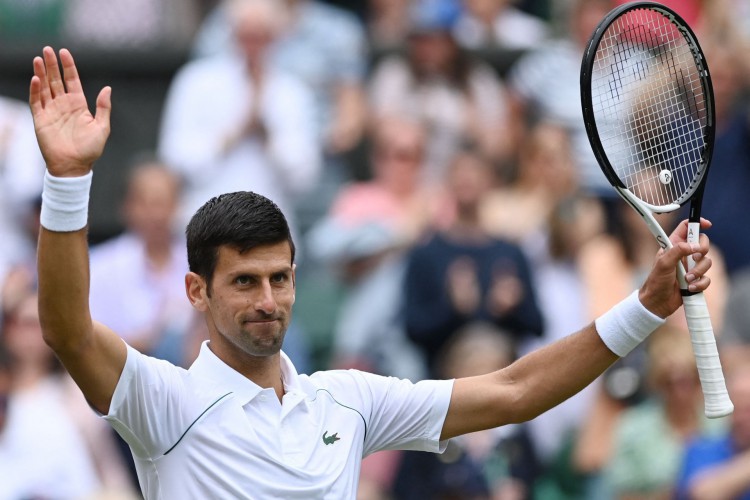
[{"x": 212, "y": 371}]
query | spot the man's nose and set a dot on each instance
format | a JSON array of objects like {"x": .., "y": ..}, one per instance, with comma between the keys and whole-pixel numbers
[{"x": 265, "y": 300}]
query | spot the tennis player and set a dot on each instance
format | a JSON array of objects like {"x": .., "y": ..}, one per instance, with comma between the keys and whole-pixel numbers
[{"x": 241, "y": 422}]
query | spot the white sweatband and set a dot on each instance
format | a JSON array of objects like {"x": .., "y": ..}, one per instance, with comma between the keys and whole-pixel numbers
[
  {"x": 65, "y": 202},
  {"x": 626, "y": 325}
]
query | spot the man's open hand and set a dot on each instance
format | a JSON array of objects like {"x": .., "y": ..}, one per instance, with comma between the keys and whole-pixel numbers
[{"x": 70, "y": 138}]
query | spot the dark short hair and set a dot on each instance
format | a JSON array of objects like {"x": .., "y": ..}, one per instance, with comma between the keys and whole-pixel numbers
[{"x": 242, "y": 220}]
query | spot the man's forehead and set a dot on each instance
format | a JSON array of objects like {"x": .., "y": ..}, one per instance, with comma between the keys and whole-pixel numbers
[{"x": 277, "y": 256}]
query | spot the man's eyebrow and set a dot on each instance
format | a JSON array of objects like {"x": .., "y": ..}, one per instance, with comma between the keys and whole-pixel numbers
[{"x": 286, "y": 269}]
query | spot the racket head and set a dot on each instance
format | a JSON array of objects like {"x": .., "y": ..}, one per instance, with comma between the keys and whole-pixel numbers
[{"x": 648, "y": 104}]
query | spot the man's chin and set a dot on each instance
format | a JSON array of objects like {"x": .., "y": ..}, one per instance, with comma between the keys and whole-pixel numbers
[
  {"x": 265, "y": 346},
  {"x": 272, "y": 344}
]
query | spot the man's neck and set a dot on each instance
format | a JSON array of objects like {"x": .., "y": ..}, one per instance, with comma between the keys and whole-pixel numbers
[{"x": 264, "y": 371}]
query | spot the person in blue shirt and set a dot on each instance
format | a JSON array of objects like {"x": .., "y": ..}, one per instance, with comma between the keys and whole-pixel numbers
[
  {"x": 462, "y": 274},
  {"x": 719, "y": 467}
]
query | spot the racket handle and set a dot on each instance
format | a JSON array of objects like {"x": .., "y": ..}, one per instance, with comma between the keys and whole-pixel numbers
[
  {"x": 693, "y": 236},
  {"x": 715, "y": 395}
]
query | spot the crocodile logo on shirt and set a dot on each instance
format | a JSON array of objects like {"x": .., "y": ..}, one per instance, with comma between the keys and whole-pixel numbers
[{"x": 330, "y": 439}]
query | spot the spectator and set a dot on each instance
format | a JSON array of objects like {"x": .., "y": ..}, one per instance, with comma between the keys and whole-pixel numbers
[
  {"x": 498, "y": 25},
  {"x": 364, "y": 237},
  {"x": 462, "y": 274},
  {"x": 520, "y": 208},
  {"x": 148, "y": 263},
  {"x": 20, "y": 276},
  {"x": 496, "y": 463},
  {"x": 650, "y": 437},
  {"x": 452, "y": 475},
  {"x": 736, "y": 329},
  {"x": 505, "y": 454},
  {"x": 719, "y": 467},
  {"x": 544, "y": 85},
  {"x": 457, "y": 97},
  {"x": 49, "y": 448},
  {"x": 387, "y": 23},
  {"x": 457, "y": 473},
  {"x": 234, "y": 121},
  {"x": 325, "y": 47},
  {"x": 725, "y": 196},
  {"x": 21, "y": 171}
]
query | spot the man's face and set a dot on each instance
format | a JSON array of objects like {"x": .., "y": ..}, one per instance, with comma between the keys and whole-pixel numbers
[
  {"x": 151, "y": 205},
  {"x": 432, "y": 52},
  {"x": 399, "y": 155},
  {"x": 254, "y": 35},
  {"x": 248, "y": 306}
]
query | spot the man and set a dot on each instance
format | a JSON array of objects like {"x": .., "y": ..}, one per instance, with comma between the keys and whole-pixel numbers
[
  {"x": 146, "y": 263},
  {"x": 241, "y": 423},
  {"x": 324, "y": 46},
  {"x": 462, "y": 274},
  {"x": 236, "y": 121},
  {"x": 20, "y": 173},
  {"x": 543, "y": 85}
]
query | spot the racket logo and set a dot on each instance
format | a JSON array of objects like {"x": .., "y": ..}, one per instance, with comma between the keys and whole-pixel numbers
[
  {"x": 665, "y": 176},
  {"x": 662, "y": 242}
]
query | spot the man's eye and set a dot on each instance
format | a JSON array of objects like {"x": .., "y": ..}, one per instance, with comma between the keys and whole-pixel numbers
[
  {"x": 242, "y": 280},
  {"x": 278, "y": 278}
]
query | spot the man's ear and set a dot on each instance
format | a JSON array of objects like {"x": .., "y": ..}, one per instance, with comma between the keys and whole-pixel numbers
[{"x": 195, "y": 288}]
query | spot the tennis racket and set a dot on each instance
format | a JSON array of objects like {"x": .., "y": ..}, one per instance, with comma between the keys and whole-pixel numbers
[{"x": 649, "y": 114}]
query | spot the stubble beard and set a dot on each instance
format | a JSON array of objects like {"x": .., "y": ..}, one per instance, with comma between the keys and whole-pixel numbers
[{"x": 261, "y": 340}]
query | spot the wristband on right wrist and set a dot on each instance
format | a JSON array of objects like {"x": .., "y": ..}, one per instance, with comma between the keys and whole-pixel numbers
[
  {"x": 65, "y": 202},
  {"x": 626, "y": 325}
]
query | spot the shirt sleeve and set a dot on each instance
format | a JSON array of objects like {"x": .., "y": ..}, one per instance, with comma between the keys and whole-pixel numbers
[
  {"x": 401, "y": 415},
  {"x": 147, "y": 405}
]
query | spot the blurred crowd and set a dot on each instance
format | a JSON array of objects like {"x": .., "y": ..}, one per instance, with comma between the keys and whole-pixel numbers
[{"x": 450, "y": 216}]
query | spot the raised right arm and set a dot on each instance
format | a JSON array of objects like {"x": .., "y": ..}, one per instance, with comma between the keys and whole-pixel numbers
[{"x": 71, "y": 140}]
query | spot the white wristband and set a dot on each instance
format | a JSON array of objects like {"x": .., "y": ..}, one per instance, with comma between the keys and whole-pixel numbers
[
  {"x": 626, "y": 325},
  {"x": 65, "y": 202}
]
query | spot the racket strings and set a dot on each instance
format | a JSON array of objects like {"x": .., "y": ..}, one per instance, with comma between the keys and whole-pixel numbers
[
  {"x": 650, "y": 108},
  {"x": 670, "y": 136}
]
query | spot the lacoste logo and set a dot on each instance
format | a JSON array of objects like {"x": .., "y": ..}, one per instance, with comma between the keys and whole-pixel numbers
[{"x": 330, "y": 439}]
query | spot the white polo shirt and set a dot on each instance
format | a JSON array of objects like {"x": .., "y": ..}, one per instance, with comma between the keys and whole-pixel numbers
[{"x": 209, "y": 432}]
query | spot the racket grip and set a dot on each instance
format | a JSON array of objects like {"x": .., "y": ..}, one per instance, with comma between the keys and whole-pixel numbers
[
  {"x": 693, "y": 236},
  {"x": 715, "y": 395}
]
